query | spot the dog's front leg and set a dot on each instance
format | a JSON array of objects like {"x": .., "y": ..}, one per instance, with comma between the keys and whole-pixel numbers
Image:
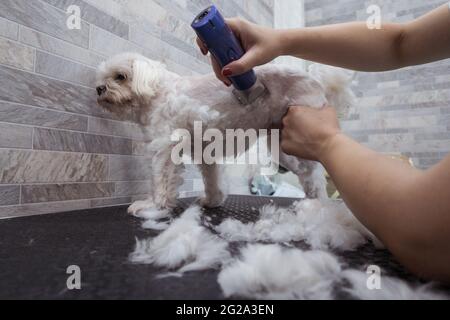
[
  {"x": 215, "y": 186},
  {"x": 166, "y": 179}
]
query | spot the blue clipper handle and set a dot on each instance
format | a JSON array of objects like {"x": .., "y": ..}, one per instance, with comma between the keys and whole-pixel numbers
[{"x": 211, "y": 28}]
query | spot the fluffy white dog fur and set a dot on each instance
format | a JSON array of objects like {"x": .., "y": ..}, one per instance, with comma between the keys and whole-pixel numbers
[
  {"x": 184, "y": 246},
  {"x": 134, "y": 87},
  {"x": 272, "y": 272},
  {"x": 324, "y": 225}
]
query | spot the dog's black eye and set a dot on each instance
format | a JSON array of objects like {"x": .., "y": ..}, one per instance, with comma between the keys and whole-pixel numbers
[{"x": 121, "y": 77}]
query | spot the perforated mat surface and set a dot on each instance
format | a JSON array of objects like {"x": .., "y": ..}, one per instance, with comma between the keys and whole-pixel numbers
[{"x": 35, "y": 253}]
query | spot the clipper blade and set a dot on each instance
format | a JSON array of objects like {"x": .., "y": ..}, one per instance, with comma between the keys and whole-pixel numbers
[{"x": 251, "y": 95}]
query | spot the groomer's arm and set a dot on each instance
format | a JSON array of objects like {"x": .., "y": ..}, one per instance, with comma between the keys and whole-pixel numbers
[
  {"x": 355, "y": 46},
  {"x": 349, "y": 45},
  {"x": 407, "y": 209}
]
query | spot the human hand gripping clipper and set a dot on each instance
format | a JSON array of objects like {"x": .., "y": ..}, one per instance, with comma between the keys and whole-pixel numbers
[{"x": 212, "y": 29}]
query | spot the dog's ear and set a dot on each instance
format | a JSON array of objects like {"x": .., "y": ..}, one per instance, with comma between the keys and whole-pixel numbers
[{"x": 146, "y": 78}]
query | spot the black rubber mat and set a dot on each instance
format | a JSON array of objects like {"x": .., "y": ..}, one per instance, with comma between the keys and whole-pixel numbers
[{"x": 35, "y": 253}]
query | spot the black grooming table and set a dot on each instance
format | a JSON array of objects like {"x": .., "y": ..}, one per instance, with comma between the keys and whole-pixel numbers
[{"x": 36, "y": 251}]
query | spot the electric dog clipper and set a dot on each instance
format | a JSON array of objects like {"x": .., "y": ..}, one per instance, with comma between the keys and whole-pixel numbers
[{"x": 212, "y": 29}]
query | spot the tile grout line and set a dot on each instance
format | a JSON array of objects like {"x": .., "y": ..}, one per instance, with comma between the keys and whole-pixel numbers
[
  {"x": 96, "y": 134},
  {"x": 68, "y": 113},
  {"x": 88, "y": 51},
  {"x": 48, "y": 77}
]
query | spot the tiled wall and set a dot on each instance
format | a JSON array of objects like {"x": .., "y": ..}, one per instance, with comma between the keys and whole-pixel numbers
[
  {"x": 405, "y": 111},
  {"x": 58, "y": 150}
]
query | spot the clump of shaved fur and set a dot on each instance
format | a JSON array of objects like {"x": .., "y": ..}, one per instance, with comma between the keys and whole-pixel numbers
[
  {"x": 391, "y": 288},
  {"x": 273, "y": 272},
  {"x": 184, "y": 246},
  {"x": 322, "y": 224}
]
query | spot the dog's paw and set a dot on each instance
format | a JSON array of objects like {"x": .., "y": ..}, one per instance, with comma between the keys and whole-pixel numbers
[
  {"x": 213, "y": 201},
  {"x": 139, "y": 206}
]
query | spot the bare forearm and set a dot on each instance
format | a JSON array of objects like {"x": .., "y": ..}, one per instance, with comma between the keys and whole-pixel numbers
[
  {"x": 349, "y": 45},
  {"x": 407, "y": 209},
  {"x": 355, "y": 46},
  {"x": 374, "y": 186}
]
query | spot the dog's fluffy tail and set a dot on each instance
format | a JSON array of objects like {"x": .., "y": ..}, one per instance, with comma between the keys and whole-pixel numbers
[{"x": 336, "y": 82}]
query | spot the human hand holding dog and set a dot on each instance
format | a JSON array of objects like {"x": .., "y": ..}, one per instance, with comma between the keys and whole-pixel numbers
[
  {"x": 261, "y": 44},
  {"x": 308, "y": 133}
]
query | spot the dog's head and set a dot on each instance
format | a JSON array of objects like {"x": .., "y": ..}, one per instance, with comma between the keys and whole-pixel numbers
[{"x": 127, "y": 82}]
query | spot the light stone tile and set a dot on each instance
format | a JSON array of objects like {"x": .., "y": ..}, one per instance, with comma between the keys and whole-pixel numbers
[
  {"x": 127, "y": 188},
  {"x": 109, "y": 44},
  {"x": 16, "y": 113},
  {"x": 108, "y": 202},
  {"x": 13, "y": 136},
  {"x": 124, "y": 168},
  {"x": 66, "y": 70},
  {"x": 94, "y": 16},
  {"x": 63, "y": 192},
  {"x": 9, "y": 195},
  {"x": 16, "y": 55},
  {"x": 21, "y": 166},
  {"x": 187, "y": 186},
  {"x": 30, "y": 89},
  {"x": 57, "y": 140},
  {"x": 117, "y": 128},
  {"x": 58, "y": 47},
  {"x": 45, "y": 18},
  {"x": 9, "y": 29}
]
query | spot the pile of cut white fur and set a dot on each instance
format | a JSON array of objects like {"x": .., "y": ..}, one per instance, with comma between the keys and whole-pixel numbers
[{"x": 275, "y": 270}]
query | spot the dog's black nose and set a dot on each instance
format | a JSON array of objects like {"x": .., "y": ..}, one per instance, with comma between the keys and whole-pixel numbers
[{"x": 101, "y": 90}]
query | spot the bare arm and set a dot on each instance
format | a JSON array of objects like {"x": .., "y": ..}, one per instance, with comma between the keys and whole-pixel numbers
[
  {"x": 408, "y": 209},
  {"x": 355, "y": 46},
  {"x": 348, "y": 45}
]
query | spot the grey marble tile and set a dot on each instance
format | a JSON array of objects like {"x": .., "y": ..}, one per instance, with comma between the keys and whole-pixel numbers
[
  {"x": 9, "y": 195},
  {"x": 140, "y": 148},
  {"x": 132, "y": 188},
  {"x": 110, "y": 202},
  {"x": 45, "y": 18},
  {"x": 16, "y": 55},
  {"x": 13, "y": 136},
  {"x": 59, "y": 47},
  {"x": 63, "y": 69},
  {"x": 433, "y": 136},
  {"x": 30, "y": 89},
  {"x": 43, "y": 208},
  {"x": 57, "y": 140},
  {"x": 124, "y": 168},
  {"x": 164, "y": 52},
  {"x": 192, "y": 172},
  {"x": 187, "y": 186},
  {"x": 9, "y": 29},
  {"x": 94, "y": 16},
  {"x": 16, "y": 113},
  {"x": 109, "y": 44},
  {"x": 63, "y": 192},
  {"x": 22, "y": 166},
  {"x": 116, "y": 128}
]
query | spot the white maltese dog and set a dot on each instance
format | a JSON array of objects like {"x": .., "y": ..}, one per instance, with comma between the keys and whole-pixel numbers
[{"x": 134, "y": 87}]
